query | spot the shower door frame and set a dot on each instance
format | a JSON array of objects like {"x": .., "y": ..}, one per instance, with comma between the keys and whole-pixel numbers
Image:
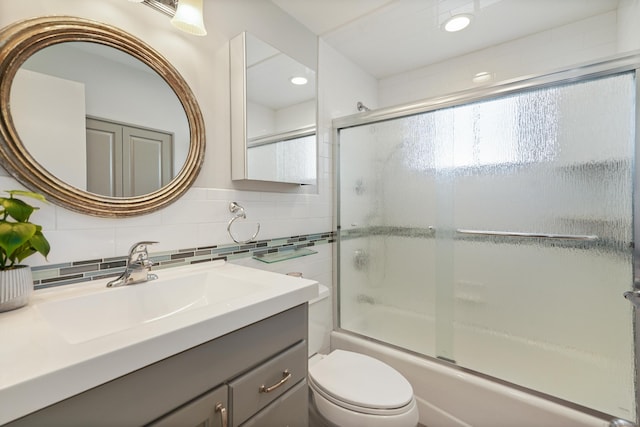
[{"x": 600, "y": 68}]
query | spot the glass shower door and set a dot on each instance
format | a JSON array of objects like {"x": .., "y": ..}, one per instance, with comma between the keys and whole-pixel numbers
[
  {"x": 542, "y": 206},
  {"x": 387, "y": 250},
  {"x": 497, "y": 234}
]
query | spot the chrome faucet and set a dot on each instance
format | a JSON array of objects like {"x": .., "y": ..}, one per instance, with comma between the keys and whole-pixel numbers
[{"x": 138, "y": 267}]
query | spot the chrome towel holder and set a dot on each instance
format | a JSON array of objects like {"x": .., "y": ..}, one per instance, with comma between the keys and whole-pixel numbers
[{"x": 239, "y": 212}]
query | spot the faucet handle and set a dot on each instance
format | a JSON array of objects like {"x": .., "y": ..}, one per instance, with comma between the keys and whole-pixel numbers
[{"x": 138, "y": 251}]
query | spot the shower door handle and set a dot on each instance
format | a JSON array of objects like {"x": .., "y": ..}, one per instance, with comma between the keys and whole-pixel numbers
[
  {"x": 527, "y": 235},
  {"x": 634, "y": 297}
]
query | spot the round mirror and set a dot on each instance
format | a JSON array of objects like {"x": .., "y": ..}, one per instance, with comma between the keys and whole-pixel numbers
[{"x": 94, "y": 118}]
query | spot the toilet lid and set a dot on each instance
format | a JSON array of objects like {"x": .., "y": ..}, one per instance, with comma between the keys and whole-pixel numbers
[{"x": 361, "y": 380}]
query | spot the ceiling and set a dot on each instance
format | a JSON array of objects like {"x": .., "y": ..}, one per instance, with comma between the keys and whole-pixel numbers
[{"x": 387, "y": 37}]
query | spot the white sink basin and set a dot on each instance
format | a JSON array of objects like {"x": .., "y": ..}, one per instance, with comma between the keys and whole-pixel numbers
[
  {"x": 86, "y": 317},
  {"x": 86, "y": 334}
]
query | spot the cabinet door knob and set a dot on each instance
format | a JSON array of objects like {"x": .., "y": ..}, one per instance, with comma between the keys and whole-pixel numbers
[
  {"x": 286, "y": 375},
  {"x": 224, "y": 422}
]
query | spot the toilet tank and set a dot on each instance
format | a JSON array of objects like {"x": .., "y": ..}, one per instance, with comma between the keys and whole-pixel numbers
[{"x": 320, "y": 322}]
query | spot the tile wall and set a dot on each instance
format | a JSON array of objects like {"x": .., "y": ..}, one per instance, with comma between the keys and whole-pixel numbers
[{"x": 290, "y": 248}]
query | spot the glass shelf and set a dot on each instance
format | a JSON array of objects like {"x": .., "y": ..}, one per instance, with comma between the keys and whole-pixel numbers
[{"x": 284, "y": 255}]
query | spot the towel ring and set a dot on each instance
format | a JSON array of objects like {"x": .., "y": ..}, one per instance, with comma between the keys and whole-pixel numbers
[{"x": 239, "y": 212}]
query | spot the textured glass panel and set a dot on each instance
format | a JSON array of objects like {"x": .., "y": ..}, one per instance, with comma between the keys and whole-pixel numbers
[
  {"x": 291, "y": 160},
  {"x": 387, "y": 258},
  {"x": 547, "y": 313},
  {"x": 387, "y": 290},
  {"x": 443, "y": 251}
]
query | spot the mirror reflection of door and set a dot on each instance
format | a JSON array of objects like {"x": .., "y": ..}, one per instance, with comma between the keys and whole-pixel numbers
[
  {"x": 124, "y": 160},
  {"x": 61, "y": 85}
]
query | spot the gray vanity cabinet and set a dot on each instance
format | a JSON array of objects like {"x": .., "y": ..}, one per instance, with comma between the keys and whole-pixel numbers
[
  {"x": 210, "y": 410},
  {"x": 255, "y": 376}
]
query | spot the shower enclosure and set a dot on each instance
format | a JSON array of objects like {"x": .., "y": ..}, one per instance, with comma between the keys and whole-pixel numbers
[{"x": 493, "y": 229}]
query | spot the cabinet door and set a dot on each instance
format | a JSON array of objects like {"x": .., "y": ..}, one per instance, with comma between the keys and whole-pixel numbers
[
  {"x": 209, "y": 410},
  {"x": 289, "y": 410}
]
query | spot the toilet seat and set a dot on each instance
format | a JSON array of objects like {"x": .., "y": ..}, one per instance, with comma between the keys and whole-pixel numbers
[{"x": 361, "y": 383}]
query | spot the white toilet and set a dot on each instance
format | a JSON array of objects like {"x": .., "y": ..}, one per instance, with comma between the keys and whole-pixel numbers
[{"x": 351, "y": 389}]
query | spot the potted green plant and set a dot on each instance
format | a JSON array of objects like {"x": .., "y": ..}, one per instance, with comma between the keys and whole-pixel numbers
[{"x": 19, "y": 239}]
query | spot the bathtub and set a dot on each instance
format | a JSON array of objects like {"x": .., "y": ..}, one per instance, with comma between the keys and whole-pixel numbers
[{"x": 451, "y": 397}]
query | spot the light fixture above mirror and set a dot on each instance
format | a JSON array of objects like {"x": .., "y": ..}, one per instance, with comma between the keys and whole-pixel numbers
[{"x": 186, "y": 15}]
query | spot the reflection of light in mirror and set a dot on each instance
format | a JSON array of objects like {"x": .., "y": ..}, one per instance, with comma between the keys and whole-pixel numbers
[{"x": 298, "y": 81}]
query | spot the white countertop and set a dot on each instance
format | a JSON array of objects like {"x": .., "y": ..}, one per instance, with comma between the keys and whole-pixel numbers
[{"x": 40, "y": 366}]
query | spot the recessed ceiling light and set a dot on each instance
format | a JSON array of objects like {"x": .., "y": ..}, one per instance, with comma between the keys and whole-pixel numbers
[
  {"x": 457, "y": 22},
  {"x": 298, "y": 80}
]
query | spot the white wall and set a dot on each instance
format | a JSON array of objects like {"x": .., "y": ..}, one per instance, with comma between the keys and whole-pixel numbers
[
  {"x": 262, "y": 120},
  {"x": 200, "y": 217},
  {"x": 296, "y": 116},
  {"x": 49, "y": 114},
  {"x": 342, "y": 85},
  {"x": 628, "y": 28}
]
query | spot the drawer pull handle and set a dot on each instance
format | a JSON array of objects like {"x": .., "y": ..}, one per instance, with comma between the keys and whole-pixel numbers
[
  {"x": 223, "y": 415},
  {"x": 286, "y": 375}
]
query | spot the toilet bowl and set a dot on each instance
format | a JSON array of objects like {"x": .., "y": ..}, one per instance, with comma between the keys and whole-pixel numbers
[{"x": 350, "y": 389}]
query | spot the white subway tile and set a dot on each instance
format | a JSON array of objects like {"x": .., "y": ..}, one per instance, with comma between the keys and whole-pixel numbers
[
  {"x": 81, "y": 244},
  {"x": 190, "y": 211},
  {"x": 169, "y": 237},
  {"x": 214, "y": 233}
]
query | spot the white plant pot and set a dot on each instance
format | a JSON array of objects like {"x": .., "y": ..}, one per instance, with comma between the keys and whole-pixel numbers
[{"x": 16, "y": 287}]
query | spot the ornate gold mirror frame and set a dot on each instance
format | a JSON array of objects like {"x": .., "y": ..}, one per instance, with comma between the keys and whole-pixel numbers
[{"x": 23, "y": 39}]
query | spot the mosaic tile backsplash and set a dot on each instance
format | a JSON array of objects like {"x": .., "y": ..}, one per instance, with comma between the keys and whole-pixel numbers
[{"x": 46, "y": 276}]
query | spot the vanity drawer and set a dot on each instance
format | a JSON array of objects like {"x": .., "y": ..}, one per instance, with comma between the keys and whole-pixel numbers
[
  {"x": 260, "y": 386},
  {"x": 209, "y": 410},
  {"x": 291, "y": 410}
]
